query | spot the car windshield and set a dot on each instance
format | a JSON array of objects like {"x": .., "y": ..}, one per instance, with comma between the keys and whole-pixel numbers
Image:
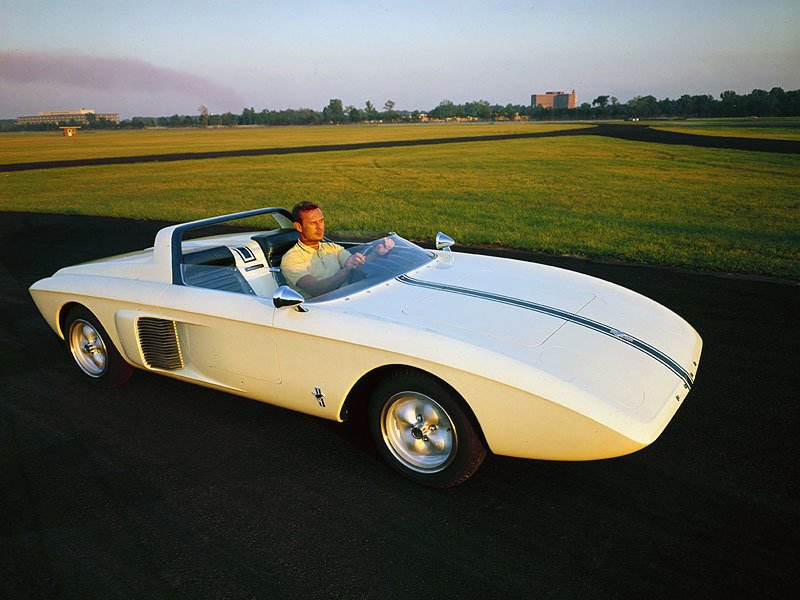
[{"x": 402, "y": 258}]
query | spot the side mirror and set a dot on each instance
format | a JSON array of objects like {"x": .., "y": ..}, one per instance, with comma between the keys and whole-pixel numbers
[
  {"x": 443, "y": 242},
  {"x": 285, "y": 296}
]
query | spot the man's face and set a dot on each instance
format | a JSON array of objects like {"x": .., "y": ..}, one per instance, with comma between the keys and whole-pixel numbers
[{"x": 312, "y": 228}]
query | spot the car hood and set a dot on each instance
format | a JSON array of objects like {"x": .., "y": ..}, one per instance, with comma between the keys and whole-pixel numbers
[
  {"x": 520, "y": 304},
  {"x": 525, "y": 304},
  {"x": 617, "y": 346},
  {"x": 486, "y": 299}
]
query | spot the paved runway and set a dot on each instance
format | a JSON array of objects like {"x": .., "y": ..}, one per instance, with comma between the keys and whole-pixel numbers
[{"x": 164, "y": 489}]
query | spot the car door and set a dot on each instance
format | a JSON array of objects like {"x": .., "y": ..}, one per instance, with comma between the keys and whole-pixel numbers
[{"x": 226, "y": 337}]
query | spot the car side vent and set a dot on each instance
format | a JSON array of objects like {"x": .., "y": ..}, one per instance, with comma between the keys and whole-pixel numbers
[{"x": 159, "y": 341}]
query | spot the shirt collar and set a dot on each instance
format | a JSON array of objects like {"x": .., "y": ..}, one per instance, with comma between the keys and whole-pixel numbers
[{"x": 309, "y": 249}]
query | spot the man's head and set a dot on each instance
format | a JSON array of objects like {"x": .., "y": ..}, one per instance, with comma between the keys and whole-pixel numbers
[{"x": 308, "y": 220}]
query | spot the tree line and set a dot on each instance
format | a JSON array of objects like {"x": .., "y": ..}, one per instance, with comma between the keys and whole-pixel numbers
[{"x": 758, "y": 103}]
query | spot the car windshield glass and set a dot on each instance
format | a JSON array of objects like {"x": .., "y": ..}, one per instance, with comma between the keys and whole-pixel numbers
[{"x": 402, "y": 258}]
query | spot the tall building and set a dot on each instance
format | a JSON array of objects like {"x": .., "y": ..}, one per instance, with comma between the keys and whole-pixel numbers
[
  {"x": 56, "y": 116},
  {"x": 554, "y": 100}
]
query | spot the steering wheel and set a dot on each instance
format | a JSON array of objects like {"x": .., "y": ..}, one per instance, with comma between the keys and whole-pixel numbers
[{"x": 372, "y": 247}]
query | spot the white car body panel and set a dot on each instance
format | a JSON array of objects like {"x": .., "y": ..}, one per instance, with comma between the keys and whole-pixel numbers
[{"x": 539, "y": 385}]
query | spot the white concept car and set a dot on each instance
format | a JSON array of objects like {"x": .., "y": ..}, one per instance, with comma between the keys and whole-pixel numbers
[{"x": 445, "y": 355}]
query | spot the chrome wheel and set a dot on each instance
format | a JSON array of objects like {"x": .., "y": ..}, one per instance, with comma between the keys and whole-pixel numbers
[
  {"x": 88, "y": 348},
  {"x": 418, "y": 432},
  {"x": 92, "y": 349},
  {"x": 424, "y": 429}
]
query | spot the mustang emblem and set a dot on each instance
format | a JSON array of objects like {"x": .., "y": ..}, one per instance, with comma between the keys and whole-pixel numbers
[{"x": 319, "y": 396}]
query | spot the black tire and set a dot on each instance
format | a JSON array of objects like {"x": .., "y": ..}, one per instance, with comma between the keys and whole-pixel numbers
[
  {"x": 92, "y": 349},
  {"x": 422, "y": 430}
]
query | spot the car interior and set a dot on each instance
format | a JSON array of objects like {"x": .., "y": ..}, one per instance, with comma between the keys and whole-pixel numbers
[
  {"x": 250, "y": 263},
  {"x": 253, "y": 268}
]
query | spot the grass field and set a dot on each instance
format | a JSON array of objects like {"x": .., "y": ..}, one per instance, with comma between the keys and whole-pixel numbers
[
  {"x": 775, "y": 129},
  {"x": 721, "y": 210},
  {"x": 44, "y": 146}
]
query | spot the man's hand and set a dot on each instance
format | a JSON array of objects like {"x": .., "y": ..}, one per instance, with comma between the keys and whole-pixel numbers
[
  {"x": 355, "y": 261},
  {"x": 384, "y": 247}
]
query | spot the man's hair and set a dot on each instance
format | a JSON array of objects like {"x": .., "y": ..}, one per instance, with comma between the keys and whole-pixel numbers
[{"x": 300, "y": 208}]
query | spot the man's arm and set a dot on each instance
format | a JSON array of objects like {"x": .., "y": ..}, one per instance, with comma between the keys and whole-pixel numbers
[{"x": 317, "y": 287}]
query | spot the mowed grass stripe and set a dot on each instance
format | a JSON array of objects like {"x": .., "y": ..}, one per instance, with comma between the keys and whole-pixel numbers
[
  {"x": 125, "y": 160},
  {"x": 721, "y": 210},
  {"x": 786, "y": 128},
  {"x": 53, "y": 146}
]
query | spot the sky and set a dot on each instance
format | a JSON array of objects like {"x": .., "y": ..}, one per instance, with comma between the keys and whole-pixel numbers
[{"x": 155, "y": 58}]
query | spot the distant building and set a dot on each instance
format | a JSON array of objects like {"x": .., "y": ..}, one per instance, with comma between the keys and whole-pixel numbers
[
  {"x": 56, "y": 116},
  {"x": 554, "y": 100}
]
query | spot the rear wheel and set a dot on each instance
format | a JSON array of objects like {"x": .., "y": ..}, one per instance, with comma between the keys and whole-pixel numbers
[
  {"x": 423, "y": 431},
  {"x": 93, "y": 351}
]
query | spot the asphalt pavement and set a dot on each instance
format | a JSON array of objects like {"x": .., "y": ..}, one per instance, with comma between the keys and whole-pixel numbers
[{"x": 162, "y": 489}]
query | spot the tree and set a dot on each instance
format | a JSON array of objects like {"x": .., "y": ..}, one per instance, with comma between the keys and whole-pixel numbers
[
  {"x": 540, "y": 113},
  {"x": 334, "y": 112},
  {"x": 684, "y": 106},
  {"x": 203, "y": 116},
  {"x": 584, "y": 110},
  {"x": 370, "y": 112},
  {"x": 731, "y": 104},
  {"x": 778, "y": 98},
  {"x": 248, "y": 116},
  {"x": 479, "y": 109},
  {"x": 760, "y": 103},
  {"x": 666, "y": 107},
  {"x": 601, "y": 102},
  {"x": 354, "y": 114},
  {"x": 389, "y": 115},
  {"x": 704, "y": 105},
  {"x": 643, "y": 106},
  {"x": 790, "y": 103},
  {"x": 229, "y": 119},
  {"x": 445, "y": 110}
]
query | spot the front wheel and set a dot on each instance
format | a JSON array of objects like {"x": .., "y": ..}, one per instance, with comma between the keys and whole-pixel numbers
[
  {"x": 93, "y": 351},
  {"x": 422, "y": 430}
]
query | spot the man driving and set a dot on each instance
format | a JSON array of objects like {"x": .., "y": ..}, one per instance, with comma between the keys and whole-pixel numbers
[{"x": 313, "y": 266}]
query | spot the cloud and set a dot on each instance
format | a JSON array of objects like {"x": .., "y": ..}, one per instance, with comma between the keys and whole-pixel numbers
[{"x": 118, "y": 76}]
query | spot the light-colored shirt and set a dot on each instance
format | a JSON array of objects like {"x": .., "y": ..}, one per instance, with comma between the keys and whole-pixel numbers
[{"x": 321, "y": 262}]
